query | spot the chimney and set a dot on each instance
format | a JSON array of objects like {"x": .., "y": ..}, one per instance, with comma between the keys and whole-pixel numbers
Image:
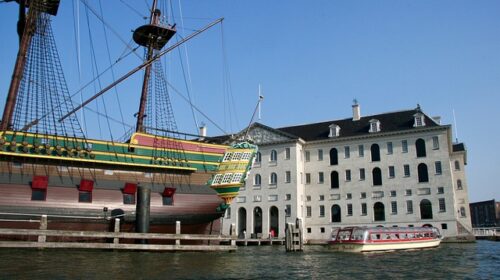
[
  {"x": 203, "y": 130},
  {"x": 356, "y": 114}
]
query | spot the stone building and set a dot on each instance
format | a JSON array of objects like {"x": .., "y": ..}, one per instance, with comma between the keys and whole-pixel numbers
[{"x": 390, "y": 169}]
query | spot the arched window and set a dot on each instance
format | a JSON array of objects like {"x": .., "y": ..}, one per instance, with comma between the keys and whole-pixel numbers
[
  {"x": 274, "y": 221},
  {"x": 274, "y": 155},
  {"x": 420, "y": 147},
  {"x": 423, "y": 175},
  {"x": 425, "y": 209},
  {"x": 375, "y": 150},
  {"x": 378, "y": 211},
  {"x": 273, "y": 179},
  {"x": 459, "y": 184},
  {"x": 457, "y": 165},
  {"x": 242, "y": 222},
  {"x": 377, "y": 176},
  {"x": 257, "y": 220},
  {"x": 336, "y": 214},
  {"x": 258, "y": 157},
  {"x": 334, "y": 158},
  {"x": 257, "y": 180},
  {"x": 334, "y": 180}
]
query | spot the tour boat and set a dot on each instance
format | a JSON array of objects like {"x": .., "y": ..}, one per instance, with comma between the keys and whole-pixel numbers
[
  {"x": 369, "y": 239},
  {"x": 152, "y": 178}
]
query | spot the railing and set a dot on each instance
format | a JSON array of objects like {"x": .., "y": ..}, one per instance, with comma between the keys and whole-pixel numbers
[
  {"x": 485, "y": 232},
  {"x": 115, "y": 240}
]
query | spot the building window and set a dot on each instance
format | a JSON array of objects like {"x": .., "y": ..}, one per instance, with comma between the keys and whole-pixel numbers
[
  {"x": 348, "y": 196},
  {"x": 274, "y": 156},
  {"x": 393, "y": 193},
  {"x": 409, "y": 206},
  {"x": 257, "y": 198},
  {"x": 348, "y": 175},
  {"x": 363, "y": 209},
  {"x": 274, "y": 197},
  {"x": 288, "y": 176},
  {"x": 321, "y": 177},
  {"x": 334, "y": 159},
  {"x": 228, "y": 213},
  {"x": 462, "y": 212},
  {"x": 288, "y": 196},
  {"x": 308, "y": 178},
  {"x": 377, "y": 176},
  {"x": 321, "y": 197},
  {"x": 457, "y": 165},
  {"x": 336, "y": 214},
  {"x": 439, "y": 170},
  {"x": 378, "y": 211},
  {"x": 288, "y": 210},
  {"x": 425, "y": 209},
  {"x": 444, "y": 226},
  {"x": 334, "y": 131},
  {"x": 320, "y": 155},
  {"x": 389, "y": 148},
  {"x": 257, "y": 180},
  {"x": 423, "y": 175},
  {"x": 442, "y": 205},
  {"x": 420, "y": 148},
  {"x": 308, "y": 156},
  {"x": 374, "y": 126},
  {"x": 287, "y": 153},
  {"x": 308, "y": 198},
  {"x": 440, "y": 190},
  {"x": 361, "y": 150},
  {"x": 274, "y": 179},
  {"x": 394, "y": 207},
  {"x": 334, "y": 180},
  {"x": 362, "y": 195},
  {"x": 375, "y": 152},
  {"x": 459, "y": 184},
  {"x": 362, "y": 174},
  {"x": 404, "y": 146},
  {"x": 392, "y": 172},
  {"x": 347, "y": 152},
  {"x": 435, "y": 143},
  {"x": 322, "y": 229},
  {"x": 321, "y": 210},
  {"x": 406, "y": 168},
  {"x": 308, "y": 211},
  {"x": 309, "y": 230},
  {"x": 258, "y": 158},
  {"x": 349, "y": 209},
  {"x": 408, "y": 192}
]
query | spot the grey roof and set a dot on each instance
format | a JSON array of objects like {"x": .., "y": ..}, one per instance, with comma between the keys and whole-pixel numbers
[
  {"x": 389, "y": 122},
  {"x": 458, "y": 147}
]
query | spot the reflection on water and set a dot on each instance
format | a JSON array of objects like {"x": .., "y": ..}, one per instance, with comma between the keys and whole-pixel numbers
[{"x": 480, "y": 260}]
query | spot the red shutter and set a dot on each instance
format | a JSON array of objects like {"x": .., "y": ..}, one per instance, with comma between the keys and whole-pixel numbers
[
  {"x": 169, "y": 192},
  {"x": 86, "y": 185},
  {"x": 130, "y": 188},
  {"x": 40, "y": 182}
]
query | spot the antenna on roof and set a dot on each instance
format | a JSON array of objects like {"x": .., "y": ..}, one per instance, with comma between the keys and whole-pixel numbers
[
  {"x": 260, "y": 99},
  {"x": 456, "y": 127}
]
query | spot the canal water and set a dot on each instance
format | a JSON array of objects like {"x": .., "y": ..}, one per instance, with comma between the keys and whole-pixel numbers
[{"x": 479, "y": 260}]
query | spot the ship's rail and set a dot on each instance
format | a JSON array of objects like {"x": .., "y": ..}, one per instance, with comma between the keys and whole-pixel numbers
[{"x": 115, "y": 240}]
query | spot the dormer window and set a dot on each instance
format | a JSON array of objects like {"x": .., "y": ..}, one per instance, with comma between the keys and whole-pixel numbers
[
  {"x": 419, "y": 120},
  {"x": 374, "y": 126},
  {"x": 334, "y": 131}
]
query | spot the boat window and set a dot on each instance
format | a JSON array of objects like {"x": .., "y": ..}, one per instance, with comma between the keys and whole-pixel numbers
[
  {"x": 357, "y": 234},
  {"x": 227, "y": 178},
  {"x": 227, "y": 157},
  {"x": 246, "y": 156},
  {"x": 344, "y": 235},
  {"x": 237, "y": 177},
  {"x": 217, "y": 179},
  {"x": 236, "y": 156}
]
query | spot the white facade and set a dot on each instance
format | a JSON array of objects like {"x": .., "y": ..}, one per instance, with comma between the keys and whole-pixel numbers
[{"x": 302, "y": 176}]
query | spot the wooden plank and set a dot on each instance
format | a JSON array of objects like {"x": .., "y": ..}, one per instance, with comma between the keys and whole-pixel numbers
[
  {"x": 100, "y": 234},
  {"x": 112, "y": 246}
]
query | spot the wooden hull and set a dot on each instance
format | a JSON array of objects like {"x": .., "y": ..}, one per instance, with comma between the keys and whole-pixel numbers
[{"x": 384, "y": 246}]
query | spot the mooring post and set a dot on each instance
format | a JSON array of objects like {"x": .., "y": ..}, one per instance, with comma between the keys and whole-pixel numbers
[
  {"x": 177, "y": 231},
  {"x": 232, "y": 234},
  {"x": 43, "y": 225},
  {"x": 117, "y": 229},
  {"x": 143, "y": 208}
]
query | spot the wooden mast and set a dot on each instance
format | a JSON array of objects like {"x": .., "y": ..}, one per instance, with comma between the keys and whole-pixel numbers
[
  {"x": 154, "y": 19},
  {"x": 26, "y": 34}
]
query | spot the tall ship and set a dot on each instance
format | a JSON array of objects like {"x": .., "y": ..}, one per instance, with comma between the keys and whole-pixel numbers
[{"x": 153, "y": 178}]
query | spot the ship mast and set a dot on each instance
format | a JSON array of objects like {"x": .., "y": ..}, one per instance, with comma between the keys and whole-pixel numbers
[{"x": 26, "y": 29}]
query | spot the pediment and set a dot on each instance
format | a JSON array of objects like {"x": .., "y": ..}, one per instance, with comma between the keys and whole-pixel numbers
[{"x": 261, "y": 134}]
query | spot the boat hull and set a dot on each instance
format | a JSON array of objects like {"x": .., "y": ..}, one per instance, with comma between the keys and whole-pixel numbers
[{"x": 384, "y": 246}]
